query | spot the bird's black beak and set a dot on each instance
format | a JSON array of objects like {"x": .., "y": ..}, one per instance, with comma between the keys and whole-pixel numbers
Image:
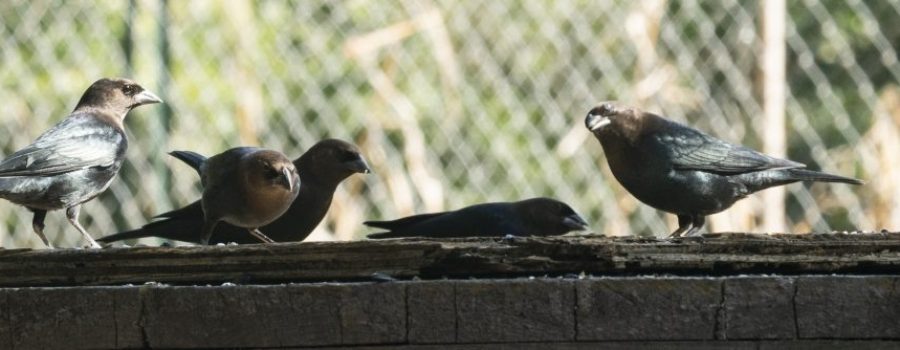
[
  {"x": 595, "y": 121},
  {"x": 575, "y": 222},
  {"x": 146, "y": 97},
  {"x": 287, "y": 178},
  {"x": 358, "y": 165}
]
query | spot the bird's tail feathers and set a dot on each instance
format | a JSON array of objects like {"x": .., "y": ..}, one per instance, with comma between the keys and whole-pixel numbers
[
  {"x": 384, "y": 225},
  {"x": 776, "y": 177},
  {"x": 812, "y": 175},
  {"x": 193, "y": 211},
  {"x": 402, "y": 223},
  {"x": 183, "y": 229},
  {"x": 133, "y": 234},
  {"x": 193, "y": 159},
  {"x": 386, "y": 235},
  {"x": 378, "y": 224}
]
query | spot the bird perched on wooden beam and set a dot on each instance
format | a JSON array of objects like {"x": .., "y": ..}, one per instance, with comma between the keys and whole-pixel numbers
[
  {"x": 530, "y": 217},
  {"x": 75, "y": 160},
  {"x": 322, "y": 168},
  {"x": 681, "y": 170},
  {"x": 247, "y": 187}
]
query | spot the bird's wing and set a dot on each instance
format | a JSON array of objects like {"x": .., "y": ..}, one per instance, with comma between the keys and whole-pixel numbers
[
  {"x": 218, "y": 170},
  {"x": 77, "y": 142},
  {"x": 690, "y": 149},
  {"x": 477, "y": 220},
  {"x": 402, "y": 223}
]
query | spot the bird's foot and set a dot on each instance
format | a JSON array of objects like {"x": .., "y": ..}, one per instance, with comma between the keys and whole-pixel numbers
[
  {"x": 693, "y": 232},
  {"x": 261, "y": 236},
  {"x": 679, "y": 233},
  {"x": 72, "y": 216}
]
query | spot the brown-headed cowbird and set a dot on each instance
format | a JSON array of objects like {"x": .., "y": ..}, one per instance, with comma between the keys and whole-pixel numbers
[
  {"x": 680, "y": 170},
  {"x": 321, "y": 169},
  {"x": 77, "y": 158},
  {"x": 530, "y": 217},
  {"x": 247, "y": 187}
]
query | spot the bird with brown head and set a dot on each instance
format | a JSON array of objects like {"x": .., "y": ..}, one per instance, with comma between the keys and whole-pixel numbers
[
  {"x": 322, "y": 168},
  {"x": 75, "y": 160},
  {"x": 681, "y": 170},
  {"x": 246, "y": 187}
]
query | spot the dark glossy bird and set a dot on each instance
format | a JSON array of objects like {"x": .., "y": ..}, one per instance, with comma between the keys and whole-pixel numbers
[
  {"x": 530, "y": 217},
  {"x": 76, "y": 159},
  {"x": 322, "y": 168},
  {"x": 247, "y": 187},
  {"x": 681, "y": 170}
]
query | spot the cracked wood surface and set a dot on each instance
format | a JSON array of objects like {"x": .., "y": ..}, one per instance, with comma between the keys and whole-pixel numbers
[{"x": 715, "y": 254}]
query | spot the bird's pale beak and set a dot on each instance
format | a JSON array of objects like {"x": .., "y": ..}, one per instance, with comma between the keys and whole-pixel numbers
[
  {"x": 595, "y": 121},
  {"x": 575, "y": 222},
  {"x": 146, "y": 97},
  {"x": 288, "y": 178},
  {"x": 359, "y": 165}
]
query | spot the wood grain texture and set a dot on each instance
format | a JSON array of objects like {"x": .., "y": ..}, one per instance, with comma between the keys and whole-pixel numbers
[{"x": 718, "y": 255}]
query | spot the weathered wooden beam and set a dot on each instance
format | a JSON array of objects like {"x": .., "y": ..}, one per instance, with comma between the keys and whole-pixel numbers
[
  {"x": 649, "y": 312},
  {"x": 718, "y": 254}
]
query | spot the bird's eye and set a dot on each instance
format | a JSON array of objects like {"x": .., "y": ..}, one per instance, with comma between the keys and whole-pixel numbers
[
  {"x": 272, "y": 173},
  {"x": 130, "y": 89},
  {"x": 348, "y": 155},
  {"x": 606, "y": 109}
]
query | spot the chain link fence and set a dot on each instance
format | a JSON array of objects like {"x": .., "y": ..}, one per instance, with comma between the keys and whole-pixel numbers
[{"x": 458, "y": 102}]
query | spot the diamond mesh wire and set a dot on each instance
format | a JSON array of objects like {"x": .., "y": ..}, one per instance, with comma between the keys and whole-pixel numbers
[{"x": 458, "y": 102}]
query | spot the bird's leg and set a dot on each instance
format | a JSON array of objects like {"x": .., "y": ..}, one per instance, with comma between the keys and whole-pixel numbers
[
  {"x": 38, "y": 225},
  {"x": 684, "y": 223},
  {"x": 72, "y": 215},
  {"x": 261, "y": 236},
  {"x": 208, "y": 227},
  {"x": 697, "y": 223}
]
